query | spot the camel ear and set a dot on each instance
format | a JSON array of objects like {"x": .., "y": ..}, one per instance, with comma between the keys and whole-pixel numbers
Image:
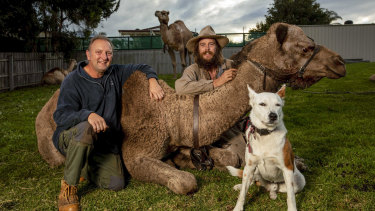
[
  {"x": 167, "y": 12},
  {"x": 281, "y": 32},
  {"x": 252, "y": 93},
  {"x": 156, "y": 13},
  {"x": 281, "y": 91}
]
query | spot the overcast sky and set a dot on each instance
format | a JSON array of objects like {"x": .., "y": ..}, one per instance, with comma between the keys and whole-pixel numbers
[{"x": 225, "y": 16}]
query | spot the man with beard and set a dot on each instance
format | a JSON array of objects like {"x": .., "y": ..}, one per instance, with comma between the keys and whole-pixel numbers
[{"x": 210, "y": 69}]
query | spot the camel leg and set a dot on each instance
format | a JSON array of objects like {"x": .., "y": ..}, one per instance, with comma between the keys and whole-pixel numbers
[
  {"x": 173, "y": 58},
  {"x": 221, "y": 158},
  {"x": 183, "y": 59},
  {"x": 153, "y": 170},
  {"x": 189, "y": 55}
]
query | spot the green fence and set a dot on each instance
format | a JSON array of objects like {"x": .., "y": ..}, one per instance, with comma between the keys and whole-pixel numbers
[{"x": 154, "y": 42}]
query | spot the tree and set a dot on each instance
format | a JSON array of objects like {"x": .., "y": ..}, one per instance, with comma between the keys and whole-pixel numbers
[
  {"x": 56, "y": 16},
  {"x": 299, "y": 12},
  {"x": 25, "y": 19},
  {"x": 19, "y": 25}
]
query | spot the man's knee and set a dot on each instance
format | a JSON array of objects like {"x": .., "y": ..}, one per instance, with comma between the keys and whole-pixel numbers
[
  {"x": 85, "y": 133},
  {"x": 116, "y": 183}
]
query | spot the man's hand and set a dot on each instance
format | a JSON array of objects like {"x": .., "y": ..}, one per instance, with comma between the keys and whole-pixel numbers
[
  {"x": 97, "y": 122},
  {"x": 227, "y": 75},
  {"x": 156, "y": 92}
]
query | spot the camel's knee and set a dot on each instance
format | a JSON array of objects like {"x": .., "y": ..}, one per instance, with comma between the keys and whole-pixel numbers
[
  {"x": 223, "y": 158},
  {"x": 184, "y": 183}
]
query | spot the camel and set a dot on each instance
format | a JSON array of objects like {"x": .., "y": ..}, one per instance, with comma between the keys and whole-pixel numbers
[
  {"x": 57, "y": 75},
  {"x": 175, "y": 37},
  {"x": 153, "y": 130}
]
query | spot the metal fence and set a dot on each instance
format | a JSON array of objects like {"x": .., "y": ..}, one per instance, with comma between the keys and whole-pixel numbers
[
  {"x": 25, "y": 69},
  {"x": 155, "y": 42}
]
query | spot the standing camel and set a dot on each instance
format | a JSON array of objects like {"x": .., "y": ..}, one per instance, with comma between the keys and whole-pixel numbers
[
  {"x": 153, "y": 130},
  {"x": 175, "y": 37}
]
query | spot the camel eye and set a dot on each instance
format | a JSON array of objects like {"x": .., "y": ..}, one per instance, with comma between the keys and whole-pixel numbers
[
  {"x": 305, "y": 50},
  {"x": 262, "y": 104},
  {"x": 277, "y": 104}
]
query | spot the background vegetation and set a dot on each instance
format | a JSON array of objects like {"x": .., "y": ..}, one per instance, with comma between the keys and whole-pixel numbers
[
  {"x": 334, "y": 133},
  {"x": 298, "y": 12}
]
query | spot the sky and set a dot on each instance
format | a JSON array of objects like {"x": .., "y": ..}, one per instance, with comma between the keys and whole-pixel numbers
[{"x": 225, "y": 16}]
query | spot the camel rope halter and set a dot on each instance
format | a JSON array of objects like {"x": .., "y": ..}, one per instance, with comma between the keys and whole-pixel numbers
[{"x": 285, "y": 78}]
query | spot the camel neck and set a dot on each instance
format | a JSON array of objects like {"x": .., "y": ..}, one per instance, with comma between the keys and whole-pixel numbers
[
  {"x": 164, "y": 32},
  {"x": 228, "y": 103}
]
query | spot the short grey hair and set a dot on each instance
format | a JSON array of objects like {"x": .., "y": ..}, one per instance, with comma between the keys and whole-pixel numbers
[{"x": 99, "y": 37}]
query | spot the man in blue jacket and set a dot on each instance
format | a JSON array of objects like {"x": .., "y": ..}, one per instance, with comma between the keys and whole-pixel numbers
[{"x": 88, "y": 116}]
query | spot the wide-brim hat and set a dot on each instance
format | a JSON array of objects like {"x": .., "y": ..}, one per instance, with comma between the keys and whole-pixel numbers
[{"x": 207, "y": 32}]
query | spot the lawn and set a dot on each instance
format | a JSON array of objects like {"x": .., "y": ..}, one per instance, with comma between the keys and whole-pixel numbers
[{"x": 331, "y": 125}]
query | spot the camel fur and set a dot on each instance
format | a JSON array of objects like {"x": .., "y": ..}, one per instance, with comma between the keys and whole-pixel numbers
[
  {"x": 175, "y": 37},
  {"x": 153, "y": 130},
  {"x": 57, "y": 75}
]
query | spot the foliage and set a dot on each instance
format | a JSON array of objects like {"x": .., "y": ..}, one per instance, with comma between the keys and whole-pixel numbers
[
  {"x": 25, "y": 19},
  {"x": 19, "y": 25},
  {"x": 332, "y": 132},
  {"x": 298, "y": 12}
]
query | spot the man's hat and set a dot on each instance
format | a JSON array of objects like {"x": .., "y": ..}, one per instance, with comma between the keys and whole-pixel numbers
[{"x": 207, "y": 32}]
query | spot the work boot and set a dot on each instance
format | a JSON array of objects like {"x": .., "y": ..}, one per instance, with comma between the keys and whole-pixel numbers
[{"x": 68, "y": 199}]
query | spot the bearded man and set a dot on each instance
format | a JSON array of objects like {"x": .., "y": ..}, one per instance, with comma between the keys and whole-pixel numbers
[{"x": 210, "y": 70}]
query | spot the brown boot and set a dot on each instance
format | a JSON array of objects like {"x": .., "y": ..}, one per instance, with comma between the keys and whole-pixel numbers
[{"x": 68, "y": 199}]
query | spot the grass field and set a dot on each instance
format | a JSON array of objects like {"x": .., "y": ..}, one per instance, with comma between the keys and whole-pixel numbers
[{"x": 331, "y": 125}]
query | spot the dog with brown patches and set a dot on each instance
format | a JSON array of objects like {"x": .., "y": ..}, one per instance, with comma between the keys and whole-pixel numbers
[{"x": 269, "y": 156}]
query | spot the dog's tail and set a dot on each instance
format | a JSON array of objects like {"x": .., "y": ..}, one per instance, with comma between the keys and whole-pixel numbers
[{"x": 234, "y": 171}]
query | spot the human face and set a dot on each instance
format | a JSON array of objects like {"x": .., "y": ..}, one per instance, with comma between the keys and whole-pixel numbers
[
  {"x": 99, "y": 56},
  {"x": 207, "y": 48}
]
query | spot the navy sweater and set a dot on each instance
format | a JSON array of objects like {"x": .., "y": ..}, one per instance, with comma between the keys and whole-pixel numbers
[{"x": 81, "y": 95}]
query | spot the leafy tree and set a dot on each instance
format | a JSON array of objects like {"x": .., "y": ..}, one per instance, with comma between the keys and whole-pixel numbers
[
  {"x": 18, "y": 24},
  {"x": 299, "y": 12},
  {"x": 25, "y": 19},
  {"x": 56, "y": 16}
]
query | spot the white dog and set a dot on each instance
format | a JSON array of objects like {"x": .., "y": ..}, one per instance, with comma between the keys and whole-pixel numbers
[{"x": 269, "y": 156}]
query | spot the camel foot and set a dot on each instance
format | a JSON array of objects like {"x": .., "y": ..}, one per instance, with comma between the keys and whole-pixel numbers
[{"x": 185, "y": 183}]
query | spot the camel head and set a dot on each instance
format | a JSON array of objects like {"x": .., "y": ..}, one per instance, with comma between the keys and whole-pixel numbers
[
  {"x": 162, "y": 16},
  {"x": 285, "y": 50}
]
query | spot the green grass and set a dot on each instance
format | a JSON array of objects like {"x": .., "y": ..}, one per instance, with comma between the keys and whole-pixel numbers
[{"x": 334, "y": 133}]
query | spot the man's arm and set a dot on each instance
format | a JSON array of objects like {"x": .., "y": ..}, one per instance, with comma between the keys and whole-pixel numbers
[
  {"x": 155, "y": 91},
  {"x": 228, "y": 75},
  {"x": 68, "y": 111},
  {"x": 189, "y": 83}
]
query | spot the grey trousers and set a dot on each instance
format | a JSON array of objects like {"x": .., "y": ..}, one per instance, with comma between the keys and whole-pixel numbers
[{"x": 106, "y": 170}]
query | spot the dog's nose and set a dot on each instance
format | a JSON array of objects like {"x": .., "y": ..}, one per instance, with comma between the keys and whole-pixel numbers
[{"x": 272, "y": 116}]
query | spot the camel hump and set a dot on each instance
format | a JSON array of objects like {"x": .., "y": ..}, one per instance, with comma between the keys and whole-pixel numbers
[
  {"x": 53, "y": 70},
  {"x": 180, "y": 25}
]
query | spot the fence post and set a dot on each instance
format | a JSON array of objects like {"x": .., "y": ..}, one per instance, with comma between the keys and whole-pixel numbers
[
  {"x": 43, "y": 59},
  {"x": 11, "y": 72}
]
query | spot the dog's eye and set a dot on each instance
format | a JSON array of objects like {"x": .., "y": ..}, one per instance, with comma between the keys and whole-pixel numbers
[{"x": 262, "y": 104}]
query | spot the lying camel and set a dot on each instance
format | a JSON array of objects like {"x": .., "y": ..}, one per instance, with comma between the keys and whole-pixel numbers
[
  {"x": 153, "y": 129},
  {"x": 57, "y": 75}
]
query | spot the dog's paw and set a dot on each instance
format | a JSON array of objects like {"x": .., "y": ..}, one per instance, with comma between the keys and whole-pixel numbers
[
  {"x": 237, "y": 187},
  {"x": 273, "y": 195}
]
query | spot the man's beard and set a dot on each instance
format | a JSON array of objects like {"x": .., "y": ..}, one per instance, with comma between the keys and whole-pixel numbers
[{"x": 208, "y": 65}]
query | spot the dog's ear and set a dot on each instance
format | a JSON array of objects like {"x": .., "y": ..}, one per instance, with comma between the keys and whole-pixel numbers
[
  {"x": 281, "y": 91},
  {"x": 252, "y": 93}
]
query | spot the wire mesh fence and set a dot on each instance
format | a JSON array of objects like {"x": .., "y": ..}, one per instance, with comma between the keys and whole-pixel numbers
[{"x": 155, "y": 42}]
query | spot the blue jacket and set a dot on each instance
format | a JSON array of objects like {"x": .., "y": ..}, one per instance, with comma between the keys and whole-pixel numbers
[{"x": 81, "y": 95}]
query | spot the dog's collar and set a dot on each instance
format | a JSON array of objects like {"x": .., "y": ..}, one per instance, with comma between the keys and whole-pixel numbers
[{"x": 253, "y": 129}]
